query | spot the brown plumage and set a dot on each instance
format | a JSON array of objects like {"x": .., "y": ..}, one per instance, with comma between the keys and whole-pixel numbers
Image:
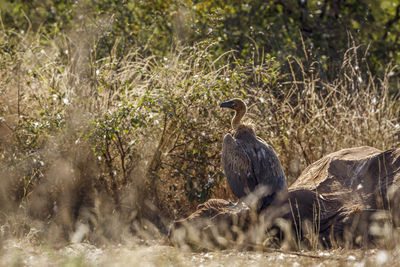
[{"x": 249, "y": 163}]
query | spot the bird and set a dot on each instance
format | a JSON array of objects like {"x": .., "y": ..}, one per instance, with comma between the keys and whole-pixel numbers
[{"x": 251, "y": 166}]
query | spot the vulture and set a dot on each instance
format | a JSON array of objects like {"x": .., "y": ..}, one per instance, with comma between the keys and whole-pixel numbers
[{"x": 251, "y": 166}]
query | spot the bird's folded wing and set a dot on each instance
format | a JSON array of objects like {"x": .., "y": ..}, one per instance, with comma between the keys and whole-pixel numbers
[
  {"x": 265, "y": 164},
  {"x": 237, "y": 166}
]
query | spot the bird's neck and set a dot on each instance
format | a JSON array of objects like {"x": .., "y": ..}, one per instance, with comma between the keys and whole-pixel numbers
[{"x": 238, "y": 117}]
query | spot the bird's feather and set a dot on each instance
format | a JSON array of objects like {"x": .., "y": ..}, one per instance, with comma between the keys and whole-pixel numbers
[
  {"x": 237, "y": 166},
  {"x": 249, "y": 162}
]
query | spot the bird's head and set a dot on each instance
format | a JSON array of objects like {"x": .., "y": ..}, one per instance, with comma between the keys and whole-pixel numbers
[
  {"x": 235, "y": 104},
  {"x": 240, "y": 109}
]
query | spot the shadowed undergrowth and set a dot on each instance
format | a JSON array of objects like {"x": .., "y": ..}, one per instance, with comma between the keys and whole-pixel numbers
[{"x": 102, "y": 149}]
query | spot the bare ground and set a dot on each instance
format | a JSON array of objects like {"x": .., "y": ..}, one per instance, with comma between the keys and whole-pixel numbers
[{"x": 144, "y": 253}]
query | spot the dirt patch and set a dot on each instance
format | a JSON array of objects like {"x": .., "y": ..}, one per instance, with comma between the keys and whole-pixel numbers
[{"x": 24, "y": 253}]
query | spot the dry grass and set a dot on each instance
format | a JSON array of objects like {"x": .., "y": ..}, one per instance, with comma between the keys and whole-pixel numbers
[{"x": 98, "y": 150}]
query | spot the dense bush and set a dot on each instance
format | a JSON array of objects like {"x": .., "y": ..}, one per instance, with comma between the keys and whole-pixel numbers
[{"x": 278, "y": 27}]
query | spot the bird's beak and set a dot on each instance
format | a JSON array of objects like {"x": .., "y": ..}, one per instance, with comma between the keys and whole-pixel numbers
[{"x": 228, "y": 104}]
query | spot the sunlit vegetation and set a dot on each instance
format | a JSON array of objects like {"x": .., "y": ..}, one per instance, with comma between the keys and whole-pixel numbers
[{"x": 109, "y": 109}]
